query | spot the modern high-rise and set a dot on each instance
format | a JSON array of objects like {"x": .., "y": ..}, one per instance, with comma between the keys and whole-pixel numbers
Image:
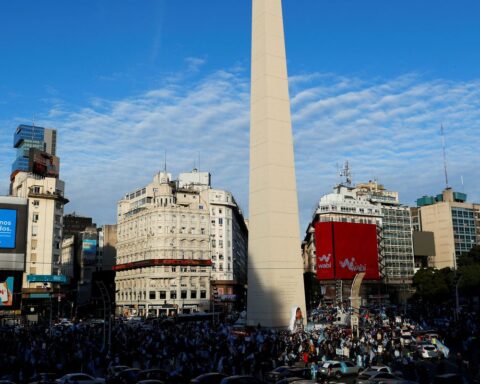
[
  {"x": 31, "y": 136},
  {"x": 455, "y": 224},
  {"x": 275, "y": 274},
  {"x": 175, "y": 242}
]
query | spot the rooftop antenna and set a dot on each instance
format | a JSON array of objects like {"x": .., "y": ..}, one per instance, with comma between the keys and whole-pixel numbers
[
  {"x": 444, "y": 156},
  {"x": 463, "y": 186},
  {"x": 347, "y": 174},
  {"x": 165, "y": 162}
]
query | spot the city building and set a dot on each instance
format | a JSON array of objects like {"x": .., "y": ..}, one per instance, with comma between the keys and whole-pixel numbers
[
  {"x": 364, "y": 204},
  {"x": 455, "y": 224},
  {"x": 31, "y": 136},
  {"x": 44, "y": 226},
  {"x": 35, "y": 177},
  {"x": 174, "y": 238}
]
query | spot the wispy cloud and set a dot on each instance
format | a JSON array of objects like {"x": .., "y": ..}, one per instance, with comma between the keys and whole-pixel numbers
[{"x": 386, "y": 128}]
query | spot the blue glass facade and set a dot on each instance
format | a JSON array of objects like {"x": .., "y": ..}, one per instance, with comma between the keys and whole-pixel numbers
[
  {"x": 463, "y": 229},
  {"x": 26, "y": 137}
]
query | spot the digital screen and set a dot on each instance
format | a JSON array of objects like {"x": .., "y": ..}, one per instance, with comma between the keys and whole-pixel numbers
[{"x": 8, "y": 227}]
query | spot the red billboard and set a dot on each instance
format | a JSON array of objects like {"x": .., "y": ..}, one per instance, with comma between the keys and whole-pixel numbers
[
  {"x": 324, "y": 247},
  {"x": 345, "y": 249}
]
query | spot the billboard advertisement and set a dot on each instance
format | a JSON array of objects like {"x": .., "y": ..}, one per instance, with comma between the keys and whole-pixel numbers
[
  {"x": 42, "y": 163},
  {"x": 345, "y": 249},
  {"x": 324, "y": 247},
  {"x": 89, "y": 247},
  {"x": 8, "y": 228},
  {"x": 6, "y": 292},
  {"x": 13, "y": 233}
]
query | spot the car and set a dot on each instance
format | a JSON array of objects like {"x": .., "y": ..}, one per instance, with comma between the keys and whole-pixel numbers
[
  {"x": 427, "y": 351},
  {"x": 150, "y": 382},
  {"x": 380, "y": 377},
  {"x": 43, "y": 378},
  {"x": 337, "y": 369},
  {"x": 380, "y": 368},
  {"x": 208, "y": 378},
  {"x": 114, "y": 370},
  {"x": 286, "y": 371},
  {"x": 128, "y": 376},
  {"x": 153, "y": 374},
  {"x": 241, "y": 379},
  {"x": 79, "y": 378}
]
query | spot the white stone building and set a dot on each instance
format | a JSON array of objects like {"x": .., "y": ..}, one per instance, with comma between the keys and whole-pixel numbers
[
  {"x": 44, "y": 233},
  {"x": 166, "y": 239}
]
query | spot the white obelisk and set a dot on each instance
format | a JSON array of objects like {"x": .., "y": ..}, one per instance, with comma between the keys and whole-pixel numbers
[{"x": 275, "y": 268}]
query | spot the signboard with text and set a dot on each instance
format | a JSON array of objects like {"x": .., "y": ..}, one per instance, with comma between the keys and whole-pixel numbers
[
  {"x": 8, "y": 227},
  {"x": 345, "y": 249}
]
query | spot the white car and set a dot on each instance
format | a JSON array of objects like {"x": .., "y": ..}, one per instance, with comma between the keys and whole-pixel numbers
[
  {"x": 427, "y": 351},
  {"x": 80, "y": 378}
]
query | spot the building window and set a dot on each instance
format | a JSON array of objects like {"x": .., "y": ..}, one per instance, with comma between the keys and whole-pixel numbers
[
  {"x": 173, "y": 295},
  {"x": 220, "y": 221},
  {"x": 35, "y": 217},
  {"x": 203, "y": 294},
  {"x": 174, "y": 269},
  {"x": 183, "y": 294},
  {"x": 152, "y": 295},
  {"x": 193, "y": 294},
  {"x": 163, "y": 295},
  {"x": 34, "y": 230},
  {"x": 36, "y": 203},
  {"x": 36, "y": 189}
]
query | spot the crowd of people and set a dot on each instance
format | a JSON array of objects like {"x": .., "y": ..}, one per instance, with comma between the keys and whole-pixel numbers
[{"x": 190, "y": 349}]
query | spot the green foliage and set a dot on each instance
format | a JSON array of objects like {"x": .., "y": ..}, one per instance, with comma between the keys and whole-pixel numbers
[
  {"x": 438, "y": 286},
  {"x": 433, "y": 285}
]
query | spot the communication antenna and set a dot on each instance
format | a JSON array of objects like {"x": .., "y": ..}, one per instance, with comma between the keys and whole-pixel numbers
[
  {"x": 347, "y": 174},
  {"x": 463, "y": 186},
  {"x": 444, "y": 156},
  {"x": 165, "y": 162}
]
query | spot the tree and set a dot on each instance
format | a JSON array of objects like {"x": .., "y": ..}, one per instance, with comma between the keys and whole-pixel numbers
[
  {"x": 469, "y": 272},
  {"x": 433, "y": 285}
]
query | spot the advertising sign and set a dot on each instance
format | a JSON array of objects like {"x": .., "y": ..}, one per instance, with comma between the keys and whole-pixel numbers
[
  {"x": 355, "y": 250},
  {"x": 296, "y": 320},
  {"x": 324, "y": 246},
  {"x": 345, "y": 249},
  {"x": 89, "y": 247},
  {"x": 8, "y": 227},
  {"x": 6, "y": 292},
  {"x": 61, "y": 279},
  {"x": 42, "y": 163}
]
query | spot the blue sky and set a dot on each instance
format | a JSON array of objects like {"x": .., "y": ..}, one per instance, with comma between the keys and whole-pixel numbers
[{"x": 121, "y": 81}]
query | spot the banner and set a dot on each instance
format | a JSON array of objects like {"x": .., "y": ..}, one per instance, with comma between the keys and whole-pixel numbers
[
  {"x": 324, "y": 249},
  {"x": 345, "y": 249},
  {"x": 6, "y": 292}
]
